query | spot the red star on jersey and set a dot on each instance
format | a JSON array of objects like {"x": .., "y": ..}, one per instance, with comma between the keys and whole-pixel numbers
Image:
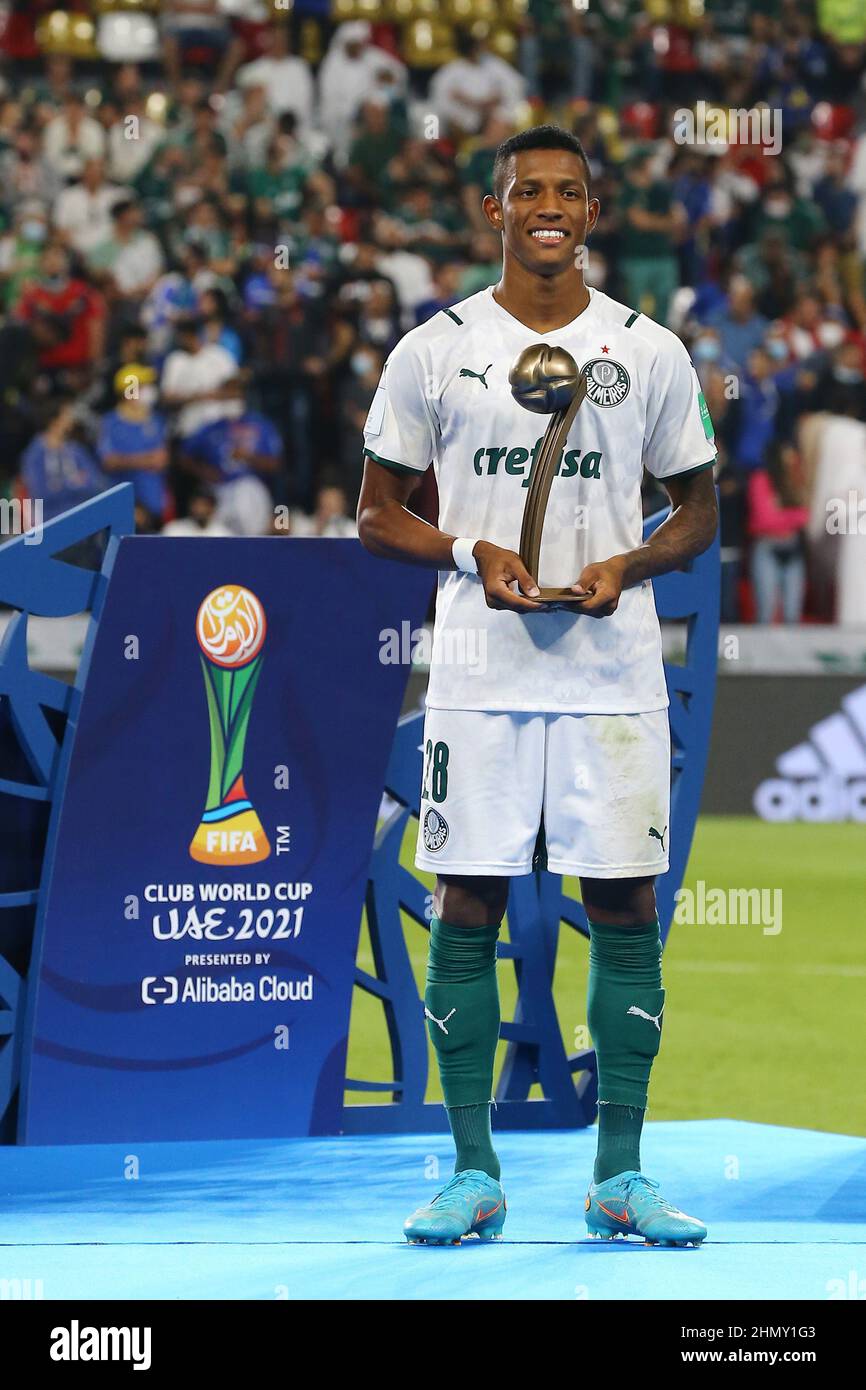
[{"x": 605, "y": 349}]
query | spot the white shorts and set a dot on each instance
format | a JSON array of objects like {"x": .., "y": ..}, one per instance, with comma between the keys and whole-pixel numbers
[{"x": 596, "y": 785}]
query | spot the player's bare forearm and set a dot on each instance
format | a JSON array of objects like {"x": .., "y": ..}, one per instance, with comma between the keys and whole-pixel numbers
[
  {"x": 688, "y": 531},
  {"x": 387, "y": 528}
]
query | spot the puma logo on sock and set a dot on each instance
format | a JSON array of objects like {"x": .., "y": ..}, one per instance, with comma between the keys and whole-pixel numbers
[
  {"x": 651, "y": 1018},
  {"x": 440, "y": 1022}
]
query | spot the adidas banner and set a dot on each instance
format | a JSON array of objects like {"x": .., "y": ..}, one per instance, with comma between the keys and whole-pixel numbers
[{"x": 788, "y": 749}]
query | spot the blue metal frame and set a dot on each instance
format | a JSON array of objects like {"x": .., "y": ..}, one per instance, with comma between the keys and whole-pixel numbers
[
  {"x": 537, "y": 906},
  {"x": 34, "y": 580}
]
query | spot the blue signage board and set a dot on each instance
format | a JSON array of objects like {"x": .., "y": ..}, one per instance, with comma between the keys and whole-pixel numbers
[{"x": 195, "y": 959}]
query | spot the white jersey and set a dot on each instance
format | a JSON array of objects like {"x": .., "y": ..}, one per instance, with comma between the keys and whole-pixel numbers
[{"x": 444, "y": 399}]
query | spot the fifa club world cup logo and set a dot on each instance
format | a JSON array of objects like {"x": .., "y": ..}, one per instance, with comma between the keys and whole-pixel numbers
[{"x": 230, "y": 628}]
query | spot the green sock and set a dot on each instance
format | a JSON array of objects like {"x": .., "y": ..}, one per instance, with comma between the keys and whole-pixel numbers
[
  {"x": 470, "y": 1126},
  {"x": 619, "y": 1130},
  {"x": 461, "y": 1004},
  {"x": 625, "y": 1006}
]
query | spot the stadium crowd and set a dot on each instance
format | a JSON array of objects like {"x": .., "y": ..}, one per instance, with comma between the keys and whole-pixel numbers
[{"x": 207, "y": 254}]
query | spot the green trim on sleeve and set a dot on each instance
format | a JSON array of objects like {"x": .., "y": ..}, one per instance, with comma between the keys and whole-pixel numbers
[
  {"x": 687, "y": 472},
  {"x": 393, "y": 465},
  {"x": 635, "y": 315},
  {"x": 453, "y": 316}
]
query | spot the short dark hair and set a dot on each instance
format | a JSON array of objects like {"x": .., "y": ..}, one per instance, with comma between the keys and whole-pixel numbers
[{"x": 539, "y": 137}]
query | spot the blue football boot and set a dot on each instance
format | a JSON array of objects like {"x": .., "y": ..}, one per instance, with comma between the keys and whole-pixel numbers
[
  {"x": 472, "y": 1203},
  {"x": 630, "y": 1205}
]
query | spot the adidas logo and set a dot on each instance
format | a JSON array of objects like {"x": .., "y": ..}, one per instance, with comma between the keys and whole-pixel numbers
[{"x": 823, "y": 779}]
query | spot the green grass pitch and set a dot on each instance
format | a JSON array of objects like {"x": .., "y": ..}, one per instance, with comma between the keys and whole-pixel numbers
[{"x": 758, "y": 1026}]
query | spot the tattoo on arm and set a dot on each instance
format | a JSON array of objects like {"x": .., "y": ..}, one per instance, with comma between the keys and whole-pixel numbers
[{"x": 688, "y": 531}]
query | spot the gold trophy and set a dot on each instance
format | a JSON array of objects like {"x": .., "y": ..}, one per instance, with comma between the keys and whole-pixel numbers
[{"x": 545, "y": 379}]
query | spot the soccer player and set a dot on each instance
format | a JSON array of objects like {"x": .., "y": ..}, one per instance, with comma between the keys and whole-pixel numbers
[{"x": 564, "y": 725}]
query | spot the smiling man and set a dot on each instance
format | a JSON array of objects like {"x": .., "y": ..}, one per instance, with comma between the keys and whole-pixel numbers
[{"x": 562, "y": 741}]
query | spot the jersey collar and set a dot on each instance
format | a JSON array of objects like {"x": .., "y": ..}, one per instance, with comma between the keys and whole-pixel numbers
[{"x": 582, "y": 318}]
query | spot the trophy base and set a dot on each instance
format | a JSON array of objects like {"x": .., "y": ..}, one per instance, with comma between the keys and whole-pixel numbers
[
  {"x": 548, "y": 595},
  {"x": 238, "y": 839}
]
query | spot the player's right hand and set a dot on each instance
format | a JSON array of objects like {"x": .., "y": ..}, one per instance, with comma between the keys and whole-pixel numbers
[{"x": 498, "y": 571}]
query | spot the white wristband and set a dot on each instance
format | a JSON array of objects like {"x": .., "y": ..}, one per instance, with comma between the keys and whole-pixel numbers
[{"x": 463, "y": 557}]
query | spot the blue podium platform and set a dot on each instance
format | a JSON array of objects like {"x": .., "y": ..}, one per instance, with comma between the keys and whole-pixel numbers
[{"x": 321, "y": 1218}]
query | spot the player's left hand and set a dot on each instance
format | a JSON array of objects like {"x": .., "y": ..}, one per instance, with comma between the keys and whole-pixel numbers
[{"x": 600, "y": 586}]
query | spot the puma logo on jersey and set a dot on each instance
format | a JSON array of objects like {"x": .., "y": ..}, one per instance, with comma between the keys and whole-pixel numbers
[
  {"x": 479, "y": 376},
  {"x": 650, "y": 1018},
  {"x": 658, "y": 836},
  {"x": 440, "y": 1022}
]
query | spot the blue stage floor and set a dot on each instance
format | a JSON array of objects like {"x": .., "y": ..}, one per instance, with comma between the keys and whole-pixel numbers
[{"x": 307, "y": 1218}]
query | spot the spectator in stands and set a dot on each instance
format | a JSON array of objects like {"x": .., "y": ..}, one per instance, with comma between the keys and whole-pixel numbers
[
  {"x": 234, "y": 456},
  {"x": 129, "y": 261},
  {"x": 716, "y": 377},
  {"x": 259, "y": 286},
  {"x": 249, "y": 128},
  {"x": 72, "y": 137},
  {"x": 378, "y": 318},
  {"x": 435, "y": 231},
  {"x": 740, "y": 328},
  {"x": 216, "y": 314},
  {"x": 851, "y": 540},
  {"x": 55, "y": 467},
  {"x": 840, "y": 386},
  {"x": 758, "y": 411},
  {"x": 25, "y": 175},
  {"x": 776, "y": 522},
  {"x": 473, "y": 86},
  {"x": 131, "y": 346},
  {"x": 201, "y": 518},
  {"x": 285, "y": 78},
  {"x": 331, "y": 516},
  {"x": 833, "y": 440},
  {"x": 355, "y": 395},
  {"x": 475, "y": 168},
  {"x": 775, "y": 271},
  {"x": 132, "y": 443},
  {"x": 354, "y": 70},
  {"x": 377, "y": 141},
  {"x": 359, "y": 272},
  {"x": 277, "y": 186},
  {"x": 198, "y": 24},
  {"x": 799, "y": 220},
  {"x": 132, "y": 141},
  {"x": 65, "y": 313},
  {"x": 206, "y": 231},
  {"x": 82, "y": 212},
  {"x": 418, "y": 161},
  {"x": 836, "y": 199},
  {"x": 317, "y": 247},
  {"x": 175, "y": 294},
  {"x": 651, "y": 226},
  {"x": 20, "y": 250},
  {"x": 808, "y": 330},
  {"x": 53, "y": 84},
  {"x": 447, "y": 281},
  {"x": 692, "y": 189},
  {"x": 410, "y": 272},
  {"x": 485, "y": 264},
  {"x": 198, "y": 380}
]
